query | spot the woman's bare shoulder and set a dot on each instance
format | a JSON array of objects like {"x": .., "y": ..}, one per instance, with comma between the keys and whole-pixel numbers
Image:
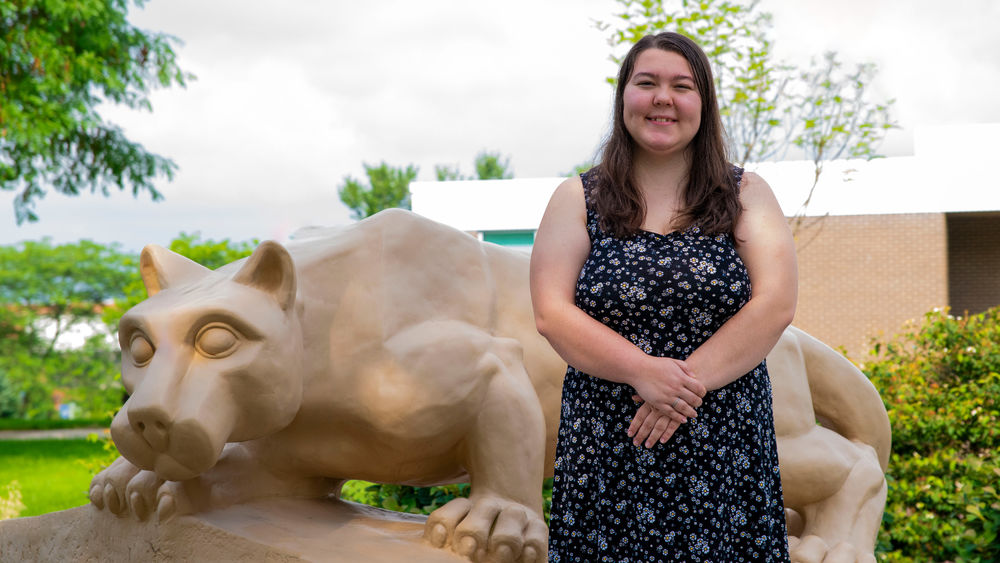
[
  {"x": 572, "y": 185},
  {"x": 752, "y": 184},
  {"x": 569, "y": 197}
]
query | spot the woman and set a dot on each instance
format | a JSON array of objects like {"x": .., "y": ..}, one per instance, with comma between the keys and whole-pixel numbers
[{"x": 663, "y": 276}]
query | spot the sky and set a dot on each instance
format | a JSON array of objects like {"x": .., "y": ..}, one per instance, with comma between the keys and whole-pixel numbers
[{"x": 290, "y": 97}]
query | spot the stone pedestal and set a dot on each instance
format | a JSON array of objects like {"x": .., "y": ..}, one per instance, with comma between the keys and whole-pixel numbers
[{"x": 279, "y": 529}]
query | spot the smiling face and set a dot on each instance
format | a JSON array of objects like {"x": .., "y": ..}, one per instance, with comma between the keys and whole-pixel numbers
[{"x": 661, "y": 103}]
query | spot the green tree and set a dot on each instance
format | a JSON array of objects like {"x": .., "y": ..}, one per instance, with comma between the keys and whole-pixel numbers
[
  {"x": 580, "y": 169},
  {"x": 58, "y": 62},
  {"x": 63, "y": 284},
  {"x": 834, "y": 118},
  {"x": 387, "y": 187},
  {"x": 493, "y": 166},
  {"x": 446, "y": 173},
  {"x": 44, "y": 290},
  {"x": 489, "y": 165},
  {"x": 768, "y": 107}
]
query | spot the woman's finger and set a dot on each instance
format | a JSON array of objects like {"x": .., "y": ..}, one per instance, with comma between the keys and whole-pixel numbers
[
  {"x": 691, "y": 382},
  {"x": 672, "y": 427},
  {"x": 659, "y": 428},
  {"x": 686, "y": 369},
  {"x": 685, "y": 409},
  {"x": 668, "y": 408},
  {"x": 642, "y": 434},
  {"x": 637, "y": 420},
  {"x": 694, "y": 386},
  {"x": 690, "y": 398}
]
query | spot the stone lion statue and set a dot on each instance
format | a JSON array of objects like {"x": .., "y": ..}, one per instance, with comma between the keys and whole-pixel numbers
[{"x": 399, "y": 350}]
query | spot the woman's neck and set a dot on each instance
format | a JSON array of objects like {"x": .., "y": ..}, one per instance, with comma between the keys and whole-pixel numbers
[{"x": 657, "y": 176}]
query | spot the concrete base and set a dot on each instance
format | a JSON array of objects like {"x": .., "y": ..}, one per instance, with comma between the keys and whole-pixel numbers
[{"x": 279, "y": 529}]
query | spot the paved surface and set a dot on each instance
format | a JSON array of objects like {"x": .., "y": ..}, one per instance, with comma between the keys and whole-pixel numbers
[{"x": 61, "y": 434}]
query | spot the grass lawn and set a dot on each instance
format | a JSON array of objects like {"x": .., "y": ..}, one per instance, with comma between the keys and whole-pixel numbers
[{"x": 53, "y": 474}]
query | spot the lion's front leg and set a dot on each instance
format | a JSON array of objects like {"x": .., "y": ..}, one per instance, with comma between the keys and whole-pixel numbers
[
  {"x": 503, "y": 454},
  {"x": 839, "y": 490},
  {"x": 124, "y": 489}
]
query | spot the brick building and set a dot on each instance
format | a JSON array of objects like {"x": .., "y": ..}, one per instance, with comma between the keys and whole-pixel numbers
[{"x": 883, "y": 242}]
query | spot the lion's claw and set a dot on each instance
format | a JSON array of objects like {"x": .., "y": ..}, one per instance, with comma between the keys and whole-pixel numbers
[
  {"x": 97, "y": 496},
  {"x": 112, "y": 500},
  {"x": 437, "y": 535},
  {"x": 139, "y": 509},
  {"x": 166, "y": 508},
  {"x": 467, "y": 546}
]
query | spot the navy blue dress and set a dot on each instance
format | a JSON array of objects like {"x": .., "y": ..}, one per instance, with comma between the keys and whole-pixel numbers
[{"x": 713, "y": 491}]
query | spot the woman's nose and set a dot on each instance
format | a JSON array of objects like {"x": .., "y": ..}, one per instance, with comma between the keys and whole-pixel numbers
[{"x": 661, "y": 97}]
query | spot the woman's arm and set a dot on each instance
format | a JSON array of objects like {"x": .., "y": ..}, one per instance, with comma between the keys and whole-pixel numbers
[
  {"x": 560, "y": 250},
  {"x": 768, "y": 251},
  {"x": 765, "y": 244}
]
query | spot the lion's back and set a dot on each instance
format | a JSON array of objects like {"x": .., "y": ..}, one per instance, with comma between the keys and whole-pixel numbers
[{"x": 406, "y": 268}]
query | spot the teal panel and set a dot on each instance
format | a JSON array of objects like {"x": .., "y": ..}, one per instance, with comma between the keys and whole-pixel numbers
[{"x": 510, "y": 238}]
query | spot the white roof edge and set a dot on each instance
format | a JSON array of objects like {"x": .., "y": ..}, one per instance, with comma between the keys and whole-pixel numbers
[
  {"x": 952, "y": 172},
  {"x": 484, "y": 205}
]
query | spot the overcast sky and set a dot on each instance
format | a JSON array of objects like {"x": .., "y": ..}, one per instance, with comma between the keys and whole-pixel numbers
[{"x": 291, "y": 96}]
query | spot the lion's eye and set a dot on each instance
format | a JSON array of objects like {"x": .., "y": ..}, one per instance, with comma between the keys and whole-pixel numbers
[
  {"x": 216, "y": 341},
  {"x": 141, "y": 349}
]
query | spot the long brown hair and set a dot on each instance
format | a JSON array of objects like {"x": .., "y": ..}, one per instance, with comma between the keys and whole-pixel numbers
[{"x": 711, "y": 198}]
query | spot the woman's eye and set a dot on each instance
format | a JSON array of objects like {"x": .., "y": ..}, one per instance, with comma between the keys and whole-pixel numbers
[
  {"x": 140, "y": 349},
  {"x": 216, "y": 341}
]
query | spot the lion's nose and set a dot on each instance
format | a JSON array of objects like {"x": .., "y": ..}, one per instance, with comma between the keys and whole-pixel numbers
[{"x": 153, "y": 424}]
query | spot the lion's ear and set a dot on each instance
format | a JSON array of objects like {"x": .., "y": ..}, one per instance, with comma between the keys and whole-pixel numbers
[
  {"x": 162, "y": 268},
  {"x": 271, "y": 270}
]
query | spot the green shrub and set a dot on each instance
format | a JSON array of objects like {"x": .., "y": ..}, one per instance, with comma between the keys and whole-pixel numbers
[
  {"x": 11, "y": 505},
  {"x": 418, "y": 500},
  {"x": 403, "y": 498},
  {"x": 940, "y": 384}
]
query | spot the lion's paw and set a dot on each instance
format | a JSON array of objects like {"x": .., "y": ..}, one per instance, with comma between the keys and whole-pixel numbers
[
  {"x": 124, "y": 489},
  {"x": 489, "y": 529}
]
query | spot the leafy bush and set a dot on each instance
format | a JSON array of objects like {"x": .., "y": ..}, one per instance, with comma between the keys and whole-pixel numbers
[
  {"x": 940, "y": 381},
  {"x": 418, "y": 500},
  {"x": 11, "y": 504},
  {"x": 108, "y": 454},
  {"x": 403, "y": 498}
]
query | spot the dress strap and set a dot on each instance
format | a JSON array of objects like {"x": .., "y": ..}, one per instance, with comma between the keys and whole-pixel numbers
[
  {"x": 738, "y": 175},
  {"x": 589, "y": 179}
]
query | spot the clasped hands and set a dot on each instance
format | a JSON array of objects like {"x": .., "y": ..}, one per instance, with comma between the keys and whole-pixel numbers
[{"x": 668, "y": 398}]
